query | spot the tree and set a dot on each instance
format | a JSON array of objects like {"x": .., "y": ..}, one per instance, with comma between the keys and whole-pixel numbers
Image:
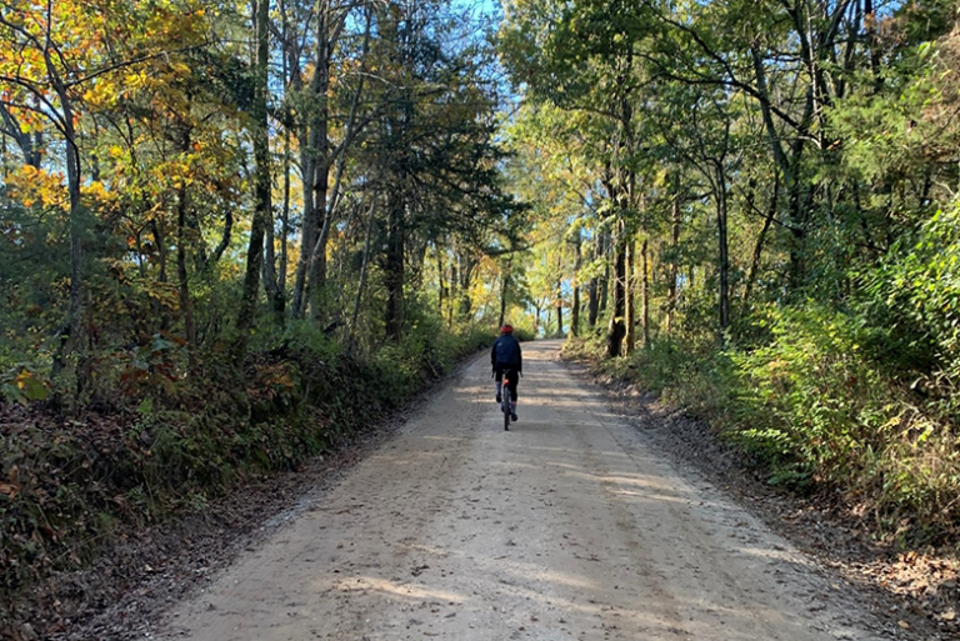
[
  {"x": 430, "y": 159},
  {"x": 64, "y": 63},
  {"x": 587, "y": 62},
  {"x": 313, "y": 97},
  {"x": 260, "y": 132},
  {"x": 44, "y": 75}
]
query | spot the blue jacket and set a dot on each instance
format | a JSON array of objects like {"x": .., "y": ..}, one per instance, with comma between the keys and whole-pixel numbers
[{"x": 506, "y": 353}]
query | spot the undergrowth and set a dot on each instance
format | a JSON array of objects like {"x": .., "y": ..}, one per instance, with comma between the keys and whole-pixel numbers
[
  {"x": 817, "y": 413},
  {"x": 157, "y": 440}
]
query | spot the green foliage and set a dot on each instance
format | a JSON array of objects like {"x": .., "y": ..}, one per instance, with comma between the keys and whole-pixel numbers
[
  {"x": 809, "y": 401},
  {"x": 32, "y": 283},
  {"x": 816, "y": 406},
  {"x": 119, "y": 303},
  {"x": 918, "y": 287},
  {"x": 305, "y": 336},
  {"x": 428, "y": 350},
  {"x": 841, "y": 353},
  {"x": 813, "y": 407},
  {"x": 23, "y": 385}
]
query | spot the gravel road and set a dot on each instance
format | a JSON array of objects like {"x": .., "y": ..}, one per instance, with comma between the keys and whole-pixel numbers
[{"x": 568, "y": 527}]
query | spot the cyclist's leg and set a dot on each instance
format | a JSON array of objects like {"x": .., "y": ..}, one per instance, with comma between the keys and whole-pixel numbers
[
  {"x": 499, "y": 379},
  {"x": 514, "y": 380}
]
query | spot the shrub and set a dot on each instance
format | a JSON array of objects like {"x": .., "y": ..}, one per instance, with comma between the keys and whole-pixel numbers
[
  {"x": 915, "y": 295},
  {"x": 813, "y": 406},
  {"x": 23, "y": 384},
  {"x": 819, "y": 410},
  {"x": 808, "y": 401}
]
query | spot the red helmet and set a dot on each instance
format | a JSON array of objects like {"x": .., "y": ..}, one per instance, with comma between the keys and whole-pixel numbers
[{"x": 506, "y": 329}]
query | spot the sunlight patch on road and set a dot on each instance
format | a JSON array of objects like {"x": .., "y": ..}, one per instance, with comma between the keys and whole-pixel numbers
[
  {"x": 529, "y": 571},
  {"x": 403, "y": 590},
  {"x": 650, "y": 496},
  {"x": 640, "y": 482},
  {"x": 429, "y": 549},
  {"x": 776, "y": 554},
  {"x": 455, "y": 440}
]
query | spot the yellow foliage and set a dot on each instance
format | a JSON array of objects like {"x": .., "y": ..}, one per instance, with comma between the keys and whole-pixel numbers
[
  {"x": 33, "y": 186},
  {"x": 134, "y": 80},
  {"x": 98, "y": 198},
  {"x": 101, "y": 94},
  {"x": 481, "y": 292},
  {"x": 181, "y": 69},
  {"x": 95, "y": 189}
]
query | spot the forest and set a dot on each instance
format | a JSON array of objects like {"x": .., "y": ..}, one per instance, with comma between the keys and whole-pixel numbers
[{"x": 231, "y": 234}]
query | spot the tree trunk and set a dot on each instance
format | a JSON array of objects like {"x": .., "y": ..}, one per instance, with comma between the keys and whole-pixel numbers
[
  {"x": 288, "y": 68},
  {"x": 160, "y": 241},
  {"x": 467, "y": 265},
  {"x": 441, "y": 282},
  {"x": 317, "y": 285},
  {"x": 504, "y": 283},
  {"x": 274, "y": 274},
  {"x": 75, "y": 312},
  {"x": 158, "y": 312},
  {"x": 355, "y": 316},
  {"x": 789, "y": 167},
  {"x": 559, "y": 309},
  {"x": 617, "y": 327},
  {"x": 724, "y": 259},
  {"x": 575, "y": 306},
  {"x": 758, "y": 247},
  {"x": 645, "y": 290},
  {"x": 270, "y": 284},
  {"x": 309, "y": 227},
  {"x": 675, "y": 260},
  {"x": 451, "y": 304},
  {"x": 326, "y": 199},
  {"x": 593, "y": 303},
  {"x": 605, "y": 279},
  {"x": 311, "y": 270},
  {"x": 280, "y": 303},
  {"x": 575, "y": 312},
  {"x": 394, "y": 267},
  {"x": 183, "y": 282},
  {"x": 631, "y": 295},
  {"x": 262, "y": 183}
]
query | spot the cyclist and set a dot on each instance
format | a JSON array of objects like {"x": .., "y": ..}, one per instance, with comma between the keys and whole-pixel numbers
[{"x": 506, "y": 354}]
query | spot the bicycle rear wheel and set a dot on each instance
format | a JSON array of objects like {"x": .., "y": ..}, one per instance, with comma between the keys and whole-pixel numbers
[{"x": 506, "y": 400}]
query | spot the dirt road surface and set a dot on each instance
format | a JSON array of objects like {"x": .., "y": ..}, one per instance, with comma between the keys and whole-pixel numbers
[{"x": 568, "y": 527}]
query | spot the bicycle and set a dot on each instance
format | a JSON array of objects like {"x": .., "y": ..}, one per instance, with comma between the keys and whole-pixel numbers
[{"x": 507, "y": 395}]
